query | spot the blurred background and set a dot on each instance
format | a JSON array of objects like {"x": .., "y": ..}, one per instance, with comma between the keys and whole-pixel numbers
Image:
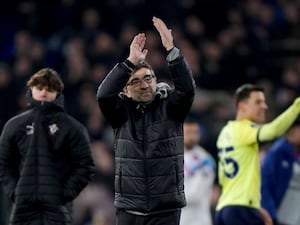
[{"x": 226, "y": 42}]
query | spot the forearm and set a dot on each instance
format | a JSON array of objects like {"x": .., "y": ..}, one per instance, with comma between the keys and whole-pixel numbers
[
  {"x": 114, "y": 82},
  {"x": 281, "y": 124},
  {"x": 181, "y": 98},
  {"x": 182, "y": 75}
]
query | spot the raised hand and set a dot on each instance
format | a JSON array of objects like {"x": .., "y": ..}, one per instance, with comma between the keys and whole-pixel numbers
[
  {"x": 164, "y": 32},
  {"x": 137, "y": 52}
]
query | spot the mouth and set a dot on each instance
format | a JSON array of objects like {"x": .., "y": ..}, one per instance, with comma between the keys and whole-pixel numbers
[{"x": 145, "y": 93}]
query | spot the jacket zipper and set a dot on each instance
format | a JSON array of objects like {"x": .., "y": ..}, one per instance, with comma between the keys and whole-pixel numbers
[
  {"x": 36, "y": 153},
  {"x": 145, "y": 158}
]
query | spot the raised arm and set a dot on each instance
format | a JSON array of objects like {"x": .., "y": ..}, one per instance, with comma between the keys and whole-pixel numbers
[
  {"x": 280, "y": 124},
  {"x": 164, "y": 32},
  {"x": 182, "y": 97},
  {"x": 108, "y": 94}
]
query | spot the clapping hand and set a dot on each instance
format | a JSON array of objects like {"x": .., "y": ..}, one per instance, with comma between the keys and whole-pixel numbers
[
  {"x": 137, "y": 51},
  {"x": 164, "y": 32}
]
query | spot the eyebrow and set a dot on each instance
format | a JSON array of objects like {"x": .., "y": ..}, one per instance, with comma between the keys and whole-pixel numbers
[{"x": 137, "y": 78}]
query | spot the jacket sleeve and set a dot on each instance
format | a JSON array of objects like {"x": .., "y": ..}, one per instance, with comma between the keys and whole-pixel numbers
[
  {"x": 108, "y": 94},
  {"x": 280, "y": 124},
  {"x": 182, "y": 97},
  {"x": 9, "y": 161},
  {"x": 82, "y": 161}
]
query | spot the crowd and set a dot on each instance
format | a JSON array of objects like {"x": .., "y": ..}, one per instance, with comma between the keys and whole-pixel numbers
[{"x": 226, "y": 43}]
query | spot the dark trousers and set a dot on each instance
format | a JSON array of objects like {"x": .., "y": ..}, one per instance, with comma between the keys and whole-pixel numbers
[
  {"x": 238, "y": 215},
  {"x": 165, "y": 218}
]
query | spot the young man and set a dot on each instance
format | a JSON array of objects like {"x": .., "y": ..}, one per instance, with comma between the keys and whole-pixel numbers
[
  {"x": 45, "y": 157},
  {"x": 239, "y": 163},
  {"x": 281, "y": 178},
  {"x": 199, "y": 175},
  {"x": 147, "y": 120}
]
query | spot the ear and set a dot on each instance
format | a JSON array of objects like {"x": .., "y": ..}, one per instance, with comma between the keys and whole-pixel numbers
[
  {"x": 126, "y": 92},
  {"x": 242, "y": 106}
]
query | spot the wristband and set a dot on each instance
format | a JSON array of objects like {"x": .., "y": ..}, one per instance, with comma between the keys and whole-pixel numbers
[
  {"x": 129, "y": 66},
  {"x": 173, "y": 54}
]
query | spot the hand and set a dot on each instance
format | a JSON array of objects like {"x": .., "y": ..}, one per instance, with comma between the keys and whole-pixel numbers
[
  {"x": 137, "y": 52},
  {"x": 266, "y": 216},
  {"x": 165, "y": 33}
]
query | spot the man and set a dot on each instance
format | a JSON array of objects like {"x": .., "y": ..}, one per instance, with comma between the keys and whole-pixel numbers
[
  {"x": 147, "y": 120},
  {"x": 239, "y": 162},
  {"x": 281, "y": 178},
  {"x": 199, "y": 175},
  {"x": 45, "y": 157}
]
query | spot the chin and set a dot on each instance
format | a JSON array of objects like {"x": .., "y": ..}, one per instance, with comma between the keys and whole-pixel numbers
[
  {"x": 147, "y": 99},
  {"x": 261, "y": 120}
]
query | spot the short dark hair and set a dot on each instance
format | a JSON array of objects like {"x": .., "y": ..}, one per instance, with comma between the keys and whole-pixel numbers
[
  {"x": 46, "y": 78},
  {"x": 143, "y": 64},
  {"x": 243, "y": 92}
]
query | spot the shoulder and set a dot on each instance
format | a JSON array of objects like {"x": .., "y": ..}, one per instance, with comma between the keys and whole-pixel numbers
[
  {"x": 281, "y": 145},
  {"x": 237, "y": 132},
  {"x": 16, "y": 124},
  {"x": 18, "y": 119},
  {"x": 199, "y": 150},
  {"x": 76, "y": 128},
  {"x": 71, "y": 121},
  {"x": 243, "y": 124}
]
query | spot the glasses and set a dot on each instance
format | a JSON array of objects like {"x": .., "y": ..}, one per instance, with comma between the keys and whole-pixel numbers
[{"x": 137, "y": 82}]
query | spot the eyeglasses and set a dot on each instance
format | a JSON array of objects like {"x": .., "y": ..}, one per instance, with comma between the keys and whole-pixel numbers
[{"x": 137, "y": 82}]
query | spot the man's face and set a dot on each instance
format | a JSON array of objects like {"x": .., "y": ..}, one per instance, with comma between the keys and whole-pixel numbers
[
  {"x": 191, "y": 132},
  {"x": 141, "y": 86},
  {"x": 43, "y": 94},
  {"x": 255, "y": 107}
]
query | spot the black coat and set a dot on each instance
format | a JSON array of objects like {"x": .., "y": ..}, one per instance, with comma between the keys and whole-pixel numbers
[
  {"x": 149, "y": 174},
  {"x": 45, "y": 161}
]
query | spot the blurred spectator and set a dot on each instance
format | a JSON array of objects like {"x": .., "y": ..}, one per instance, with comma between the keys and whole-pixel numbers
[
  {"x": 7, "y": 91},
  {"x": 281, "y": 178},
  {"x": 199, "y": 175}
]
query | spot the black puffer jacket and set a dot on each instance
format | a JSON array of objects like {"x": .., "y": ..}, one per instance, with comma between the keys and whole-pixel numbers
[
  {"x": 149, "y": 141},
  {"x": 45, "y": 161}
]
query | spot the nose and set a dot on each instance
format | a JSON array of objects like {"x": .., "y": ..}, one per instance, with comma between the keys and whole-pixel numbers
[
  {"x": 44, "y": 91},
  {"x": 144, "y": 84},
  {"x": 265, "y": 106}
]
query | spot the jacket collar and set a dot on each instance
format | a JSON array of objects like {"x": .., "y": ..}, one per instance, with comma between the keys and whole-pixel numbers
[{"x": 57, "y": 104}]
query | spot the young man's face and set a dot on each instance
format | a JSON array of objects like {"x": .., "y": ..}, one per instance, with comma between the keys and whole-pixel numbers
[
  {"x": 255, "y": 107},
  {"x": 43, "y": 94},
  {"x": 141, "y": 86}
]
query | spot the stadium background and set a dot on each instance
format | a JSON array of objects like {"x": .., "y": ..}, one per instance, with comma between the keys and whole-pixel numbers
[{"x": 226, "y": 42}]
